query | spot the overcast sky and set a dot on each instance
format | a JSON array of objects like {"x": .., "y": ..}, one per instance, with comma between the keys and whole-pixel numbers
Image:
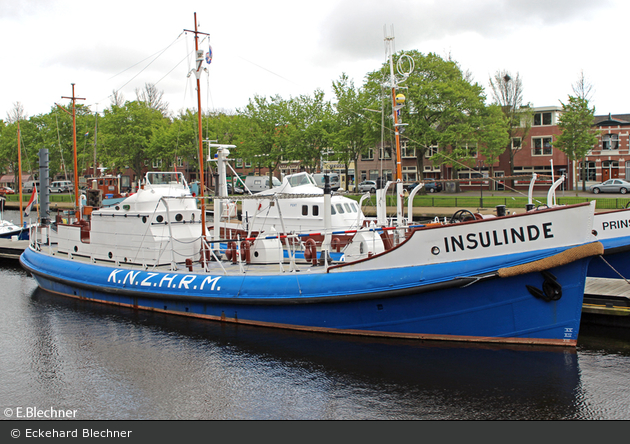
[{"x": 290, "y": 47}]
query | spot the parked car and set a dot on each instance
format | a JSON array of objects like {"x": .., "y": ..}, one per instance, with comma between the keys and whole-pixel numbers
[
  {"x": 234, "y": 190},
  {"x": 431, "y": 187},
  {"x": 611, "y": 186},
  {"x": 30, "y": 185},
  {"x": 6, "y": 190},
  {"x": 367, "y": 186},
  {"x": 61, "y": 186}
]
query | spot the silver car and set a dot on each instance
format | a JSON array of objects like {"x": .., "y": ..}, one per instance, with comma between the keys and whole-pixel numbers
[
  {"x": 367, "y": 186},
  {"x": 611, "y": 186}
]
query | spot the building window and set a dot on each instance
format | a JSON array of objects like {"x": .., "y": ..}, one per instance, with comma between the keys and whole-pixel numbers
[
  {"x": 157, "y": 163},
  {"x": 239, "y": 163},
  {"x": 369, "y": 155},
  {"x": 248, "y": 164},
  {"x": 542, "y": 119},
  {"x": 409, "y": 173},
  {"x": 591, "y": 172},
  {"x": 387, "y": 175},
  {"x": 373, "y": 174},
  {"x": 363, "y": 175},
  {"x": 610, "y": 141},
  {"x": 541, "y": 146},
  {"x": 386, "y": 153},
  {"x": 516, "y": 143},
  {"x": 406, "y": 151},
  {"x": 432, "y": 150}
]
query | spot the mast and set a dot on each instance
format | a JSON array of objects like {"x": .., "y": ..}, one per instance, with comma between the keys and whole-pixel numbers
[
  {"x": 198, "y": 69},
  {"x": 397, "y": 104},
  {"x": 74, "y": 149},
  {"x": 20, "y": 172}
]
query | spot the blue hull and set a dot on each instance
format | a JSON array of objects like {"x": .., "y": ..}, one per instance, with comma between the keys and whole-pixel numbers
[
  {"x": 615, "y": 262},
  {"x": 22, "y": 234},
  {"x": 359, "y": 302}
]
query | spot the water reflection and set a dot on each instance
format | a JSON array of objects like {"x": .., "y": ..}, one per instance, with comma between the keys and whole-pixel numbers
[{"x": 115, "y": 363}]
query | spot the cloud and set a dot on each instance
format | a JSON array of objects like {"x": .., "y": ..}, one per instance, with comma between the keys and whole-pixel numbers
[
  {"x": 10, "y": 9},
  {"x": 351, "y": 30}
]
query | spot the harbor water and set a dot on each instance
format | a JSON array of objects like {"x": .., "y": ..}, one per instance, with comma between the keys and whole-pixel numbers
[{"x": 112, "y": 363}]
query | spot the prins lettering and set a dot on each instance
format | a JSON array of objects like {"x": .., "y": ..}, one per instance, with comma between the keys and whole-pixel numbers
[
  {"x": 497, "y": 238},
  {"x": 615, "y": 225}
]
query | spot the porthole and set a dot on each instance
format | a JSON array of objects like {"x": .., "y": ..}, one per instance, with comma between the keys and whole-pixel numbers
[
  {"x": 179, "y": 217},
  {"x": 159, "y": 218},
  {"x": 144, "y": 219},
  {"x": 76, "y": 248},
  {"x": 110, "y": 255},
  {"x": 435, "y": 251}
]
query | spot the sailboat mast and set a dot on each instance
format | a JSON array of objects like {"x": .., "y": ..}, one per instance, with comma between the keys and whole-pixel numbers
[
  {"x": 74, "y": 149},
  {"x": 199, "y": 61}
]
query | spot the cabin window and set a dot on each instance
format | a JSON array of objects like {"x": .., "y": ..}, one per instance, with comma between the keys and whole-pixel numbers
[
  {"x": 315, "y": 210},
  {"x": 348, "y": 209},
  {"x": 340, "y": 209},
  {"x": 332, "y": 210},
  {"x": 304, "y": 210}
]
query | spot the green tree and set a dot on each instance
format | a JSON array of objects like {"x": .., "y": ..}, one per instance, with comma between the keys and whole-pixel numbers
[
  {"x": 127, "y": 132},
  {"x": 313, "y": 119},
  {"x": 493, "y": 136},
  {"x": 578, "y": 136},
  {"x": 443, "y": 108},
  {"x": 271, "y": 133},
  {"x": 353, "y": 133}
]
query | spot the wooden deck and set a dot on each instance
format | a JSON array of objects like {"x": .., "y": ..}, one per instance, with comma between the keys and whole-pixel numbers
[
  {"x": 10, "y": 249},
  {"x": 606, "y": 302}
]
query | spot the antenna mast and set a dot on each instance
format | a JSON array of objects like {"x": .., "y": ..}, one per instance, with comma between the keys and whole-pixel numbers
[{"x": 197, "y": 70}]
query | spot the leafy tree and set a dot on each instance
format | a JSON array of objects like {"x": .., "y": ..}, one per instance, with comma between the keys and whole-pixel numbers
[
  {"x": 353, "y": 133},
  {"x": 578, "y": 136},
  {"x": 493, "y": 135},
  {"x": 443, "y": 108},
  {"x": 313, "y": 119},
  {"x": 127, "y": 132},
  {"x": 271, "y": 133}
]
